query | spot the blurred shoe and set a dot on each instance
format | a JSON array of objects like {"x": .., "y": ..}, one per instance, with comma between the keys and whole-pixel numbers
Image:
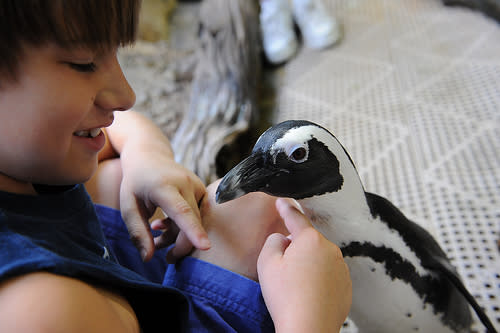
[
  {"x": 319, "y": 29},
  {"x": 278, "y": 36}
]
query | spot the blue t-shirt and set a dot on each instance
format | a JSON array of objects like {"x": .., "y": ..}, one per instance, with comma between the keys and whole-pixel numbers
[
  {"x": 60, "y": 233},
  {"x": 220, "y": 300}
]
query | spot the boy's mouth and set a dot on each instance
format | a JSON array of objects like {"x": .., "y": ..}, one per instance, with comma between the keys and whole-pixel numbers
[{"x": 88, "y": 133}]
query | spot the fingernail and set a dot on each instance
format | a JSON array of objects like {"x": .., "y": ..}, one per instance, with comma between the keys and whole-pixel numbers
[
  {"x": 296, "y": 204},
  {"x": 282, "y": 201},
  {"x": 291, "y": 203},
  {"x": 205, "y": 243}
]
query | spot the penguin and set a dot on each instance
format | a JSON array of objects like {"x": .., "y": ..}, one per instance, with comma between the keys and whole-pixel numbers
[{"x": 402, "y": 280}]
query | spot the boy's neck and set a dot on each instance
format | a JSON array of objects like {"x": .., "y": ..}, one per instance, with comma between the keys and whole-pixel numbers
[{"x": 8, "y": 184}]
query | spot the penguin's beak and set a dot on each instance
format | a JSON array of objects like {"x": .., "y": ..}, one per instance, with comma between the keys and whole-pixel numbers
[{"x": 250, "y": 175}]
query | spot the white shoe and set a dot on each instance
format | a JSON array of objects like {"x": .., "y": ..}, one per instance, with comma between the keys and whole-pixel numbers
[
  {"x": 319, "y": 30},
  {"x": 278, "y": 36}
]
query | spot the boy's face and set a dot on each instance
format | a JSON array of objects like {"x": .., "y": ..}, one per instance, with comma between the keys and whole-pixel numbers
[{"x": 50, "y": 118}]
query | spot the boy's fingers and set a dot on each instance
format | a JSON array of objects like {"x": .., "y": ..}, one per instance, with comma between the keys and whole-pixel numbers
[
  {"x": 199, "y": 189},
  {"x": 161, "y": 224},
  {"x": 295, "y": 221},
  {"x": 185, "y": 216},
  {"x": 275, "y": 245},
  {"x": 138, "y": 229},
  {"x": 182, "y": 247},
  {"x": 168, "y": 235}
]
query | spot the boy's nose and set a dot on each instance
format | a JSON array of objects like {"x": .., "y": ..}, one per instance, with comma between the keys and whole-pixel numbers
[{"x": 117, "y": 94}]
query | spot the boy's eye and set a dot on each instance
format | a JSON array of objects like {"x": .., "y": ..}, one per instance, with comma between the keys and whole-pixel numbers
[{"x": 87, "y": 68}]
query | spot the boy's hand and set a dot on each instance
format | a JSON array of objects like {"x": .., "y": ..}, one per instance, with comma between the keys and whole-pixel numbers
[
  {"x": 152, "y": 180},
  {"x": 305, "y": 281}
]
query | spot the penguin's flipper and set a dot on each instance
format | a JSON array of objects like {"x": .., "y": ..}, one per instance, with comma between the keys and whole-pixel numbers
[
  {"x": 444, "y": 267},
  {"x": 426, "y": 247}
]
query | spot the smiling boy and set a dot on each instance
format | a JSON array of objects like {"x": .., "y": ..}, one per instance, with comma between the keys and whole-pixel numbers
[
  {"x": 59, "y": 112},
  {"x": 61, "y": 90},
  {"x": 59, "y": 87}
]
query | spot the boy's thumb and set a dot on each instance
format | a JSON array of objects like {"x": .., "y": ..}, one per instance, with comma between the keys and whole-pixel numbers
[
  {"x": 273, "y": 248},
  {"x": 294, "y": 218}
]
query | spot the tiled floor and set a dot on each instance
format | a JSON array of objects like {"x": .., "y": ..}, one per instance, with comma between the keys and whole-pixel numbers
[{"x": 413, "y": 92}]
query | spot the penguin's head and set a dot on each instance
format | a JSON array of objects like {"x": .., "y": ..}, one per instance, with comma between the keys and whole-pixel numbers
[{"x": 296, "y": 159}]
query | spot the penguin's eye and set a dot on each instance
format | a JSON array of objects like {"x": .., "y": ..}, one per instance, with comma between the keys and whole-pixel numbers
[{"x": 298, "y": 154}]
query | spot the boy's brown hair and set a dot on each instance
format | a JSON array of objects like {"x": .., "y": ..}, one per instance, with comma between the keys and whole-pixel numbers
[{"x": 97, "y": 24}]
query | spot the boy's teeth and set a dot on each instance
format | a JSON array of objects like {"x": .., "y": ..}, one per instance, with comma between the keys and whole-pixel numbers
[
  {"x": 95, "y": 132},
  {"x": 89, "y": 134},
  {"x": 82, "y": 133}
]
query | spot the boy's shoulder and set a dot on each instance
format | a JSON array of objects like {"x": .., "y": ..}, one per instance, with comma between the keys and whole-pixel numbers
[
  {"x": 58, "y": 238},
  {"x": 46, "y": 302}
]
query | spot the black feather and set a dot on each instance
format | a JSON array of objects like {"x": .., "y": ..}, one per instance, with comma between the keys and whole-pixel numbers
[
  {"x": 443, "y": 266},
  {"x": 434, "y": 259}
]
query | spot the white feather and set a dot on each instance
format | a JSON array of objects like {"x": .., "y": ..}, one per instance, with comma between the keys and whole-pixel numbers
[{"x": 400, "y": 310}]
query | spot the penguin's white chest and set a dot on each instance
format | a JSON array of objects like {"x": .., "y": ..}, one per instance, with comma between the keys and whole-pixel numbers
[{"x": 381, "y": 304}]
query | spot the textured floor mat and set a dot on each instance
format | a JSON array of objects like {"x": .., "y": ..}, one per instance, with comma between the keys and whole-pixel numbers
[{"x": 413, "y": 92}]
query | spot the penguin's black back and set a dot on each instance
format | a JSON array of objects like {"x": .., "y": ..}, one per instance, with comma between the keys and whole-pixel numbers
[{"x": 437, "y": 289}]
